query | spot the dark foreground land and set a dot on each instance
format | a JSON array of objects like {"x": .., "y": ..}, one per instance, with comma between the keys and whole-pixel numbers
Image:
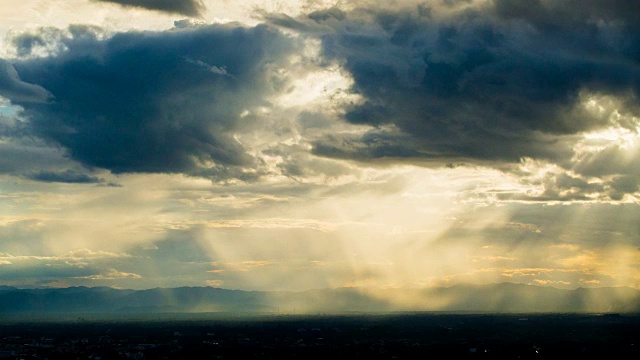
[{"x": 395, "y": 336}]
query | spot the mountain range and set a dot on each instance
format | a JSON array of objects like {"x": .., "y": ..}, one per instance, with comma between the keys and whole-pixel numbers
[{"x": 494, "y": 298}]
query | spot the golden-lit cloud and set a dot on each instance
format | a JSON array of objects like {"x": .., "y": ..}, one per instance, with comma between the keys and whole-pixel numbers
[
  {"x": 551, "y": 282},
  {"x": 112, "y": 274},
  {"x": 214, "y": 283}
]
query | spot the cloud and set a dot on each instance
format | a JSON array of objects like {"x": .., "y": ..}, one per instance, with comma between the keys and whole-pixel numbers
[
  {"x": 67, "y": 176},
  {"x": 85, "y": 253},
  {"x": 13, "y": 88},
  {"x": 551, "y": 282},
  {"x": 610, "y": 160},
  {"x": 183, "y": 7},
  {"x": 625, "y": 184},
  {"x": 112, "y": 274},
  {"x": 156, "y": 102},
  {"x": 76, "y": 264},
  {"x": 559, "y": 14},
  {"x": 35, "y": 269},
  {"x": 558, "y": 185},
  {"x": 28, "y": 157},
  {"x": 214, "y": 283},
  {"x": 273, "y": 223},
  {"x": 474, "y": 84},
  {"x": 78, "y": 257}
]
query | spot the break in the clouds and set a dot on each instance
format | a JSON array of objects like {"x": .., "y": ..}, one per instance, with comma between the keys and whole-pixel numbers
[
  {"x": 497, "y": 81},
  {"x": 183, "y": 7},
  {"x": 166, "y": 101}
]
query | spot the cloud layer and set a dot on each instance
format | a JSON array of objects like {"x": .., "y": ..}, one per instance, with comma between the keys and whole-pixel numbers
[{"x": 183, "y": 7}]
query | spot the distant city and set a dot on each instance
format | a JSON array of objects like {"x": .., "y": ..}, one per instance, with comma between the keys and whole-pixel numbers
[{"x": 390, "y": 336}]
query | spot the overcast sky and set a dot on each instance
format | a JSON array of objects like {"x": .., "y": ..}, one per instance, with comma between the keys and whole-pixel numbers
[{"x": 292, "y": 145}]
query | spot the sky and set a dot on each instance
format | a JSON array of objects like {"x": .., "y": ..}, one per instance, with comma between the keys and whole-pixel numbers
[{"x": 306, "y": 144}]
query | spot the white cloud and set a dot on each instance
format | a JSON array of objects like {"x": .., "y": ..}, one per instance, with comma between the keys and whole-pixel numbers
[{"x": 112, "y": 274}]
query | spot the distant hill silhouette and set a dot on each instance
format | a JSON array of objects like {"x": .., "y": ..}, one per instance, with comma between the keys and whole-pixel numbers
[{"x": 497, "y": 298}]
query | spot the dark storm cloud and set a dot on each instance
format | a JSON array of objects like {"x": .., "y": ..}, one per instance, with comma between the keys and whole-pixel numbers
[
  {"x": 13, "y": 88},
  {"x": 621, "y": 185},
  {"x": 491, "y": 83},
  {"x": 24, "y": 155},
  {"x": 373, "y": 145},
  {"x": 184, "y": 7},
  {"x": 155, "y": 101},
  {"x": 67, "y": 176},
  {"x": 557, "y": 14}
]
